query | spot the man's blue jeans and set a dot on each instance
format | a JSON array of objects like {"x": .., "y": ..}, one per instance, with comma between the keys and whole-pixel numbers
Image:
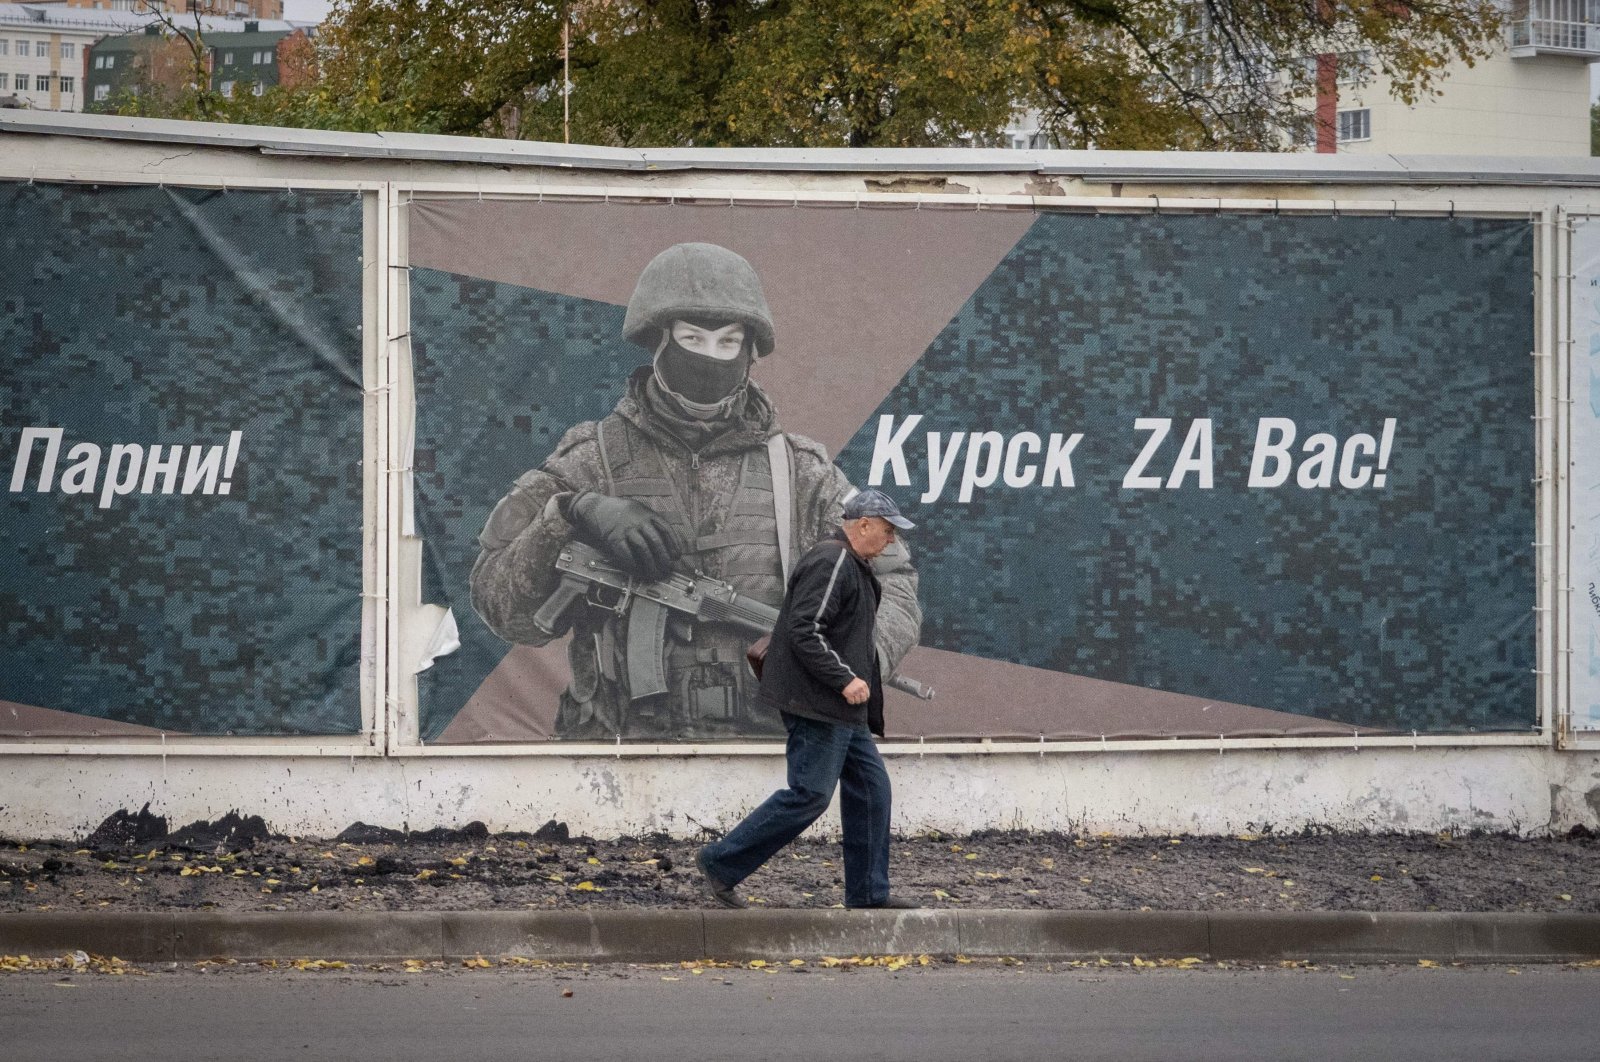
[{"x": 821, "y": 755}]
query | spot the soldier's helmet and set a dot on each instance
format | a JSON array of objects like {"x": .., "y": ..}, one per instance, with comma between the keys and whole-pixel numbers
[{"x": 699, "y": 280}]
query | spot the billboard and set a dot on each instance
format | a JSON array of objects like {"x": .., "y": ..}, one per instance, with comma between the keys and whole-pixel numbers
[
  {"x": 181, "y": 424},
  {"x": 1176, "y": 475}
]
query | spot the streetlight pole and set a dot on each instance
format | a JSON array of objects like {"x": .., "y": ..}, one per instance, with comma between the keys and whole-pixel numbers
[{"x": 566, "y": 77}]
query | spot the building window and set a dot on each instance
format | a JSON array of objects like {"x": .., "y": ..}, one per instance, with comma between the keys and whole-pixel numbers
[
  {"x": 69, "y": 85},
  {"x": 22, "y": 49},
  {"x": 227, "y": 58},
  {"x": 226, "y": 88},
  {"x": 41, "y": 49},
  {"x": 69, "y": 51},
  {"x": 1355, "y": 125},
  {"x": 101, "y": 92},
  {"x": 263, "y": 58},
  {"x": 5, "y": 47},
  {"x": 258, "y": 88},
  {"x": 41, "y": 83},
  {"x": 5, "y": 79}
]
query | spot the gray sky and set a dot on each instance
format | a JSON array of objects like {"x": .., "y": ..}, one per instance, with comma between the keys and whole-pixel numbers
[{"x": 305, "y": 10}]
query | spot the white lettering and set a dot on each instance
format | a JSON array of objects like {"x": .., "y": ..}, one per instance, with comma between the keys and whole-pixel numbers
[
  {"x": 1317, "y": 471},
  {"x": 122, "y": 472},
  {"x": 47, "y": 470},
  {"x": 1274, "y": 436},
  {"x": 84, "y": 472},
  {"x": 889, "y": 448},
  {"x": 1058, "y": 460},
  {"x": 165, "y": 465},
  {"x": 1195, "y": 456},
  {"x": 939, "y": 468},
  {"x": 994, "y": 444},
  {"x": 228, "y": 461},
  {"x": 1158, "y": 427},
  {"x": 1349, "y": 475},
  {"x": 1018, "y": 475},
  {"x": 1385, "y": 450},
  {"x": 205, "y": 464}
]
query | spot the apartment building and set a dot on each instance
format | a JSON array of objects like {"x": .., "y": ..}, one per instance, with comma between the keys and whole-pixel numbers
[
  {"x": 258, "y": 9},
  {"x": 240, "y": 60},
  {"x": 45, "y": 61},
  {"x": 1530, "y": 98}
]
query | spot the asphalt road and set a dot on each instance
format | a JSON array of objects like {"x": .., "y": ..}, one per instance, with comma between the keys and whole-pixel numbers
[{"x": 927, "y": 1015}]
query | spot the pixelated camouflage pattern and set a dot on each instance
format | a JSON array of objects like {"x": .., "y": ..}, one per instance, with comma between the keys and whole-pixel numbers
[
  {"x": 174, "y": 316},
  {"x": 1406, "y": 607}
]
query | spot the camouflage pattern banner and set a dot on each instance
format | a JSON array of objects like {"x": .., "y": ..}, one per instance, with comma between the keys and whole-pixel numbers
[
  {"x": 181, "y": 430},
  {"x": 1174, "y": 476}
]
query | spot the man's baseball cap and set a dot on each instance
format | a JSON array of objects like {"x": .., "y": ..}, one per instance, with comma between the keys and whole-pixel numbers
[{"x": 876, "y": 503}]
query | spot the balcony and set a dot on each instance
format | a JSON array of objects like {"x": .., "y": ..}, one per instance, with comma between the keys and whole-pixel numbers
[{"x": 1554, "y": 27}]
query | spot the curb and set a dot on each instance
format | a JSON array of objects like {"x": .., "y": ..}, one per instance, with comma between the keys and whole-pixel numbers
[{"x": 667, "y": 935}]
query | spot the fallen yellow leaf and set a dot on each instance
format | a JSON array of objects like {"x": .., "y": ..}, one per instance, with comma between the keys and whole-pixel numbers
[{"x": 587, "y": 886}]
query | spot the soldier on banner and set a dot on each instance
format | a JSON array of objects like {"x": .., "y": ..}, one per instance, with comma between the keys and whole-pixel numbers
[{"x": 690, "y": 473}]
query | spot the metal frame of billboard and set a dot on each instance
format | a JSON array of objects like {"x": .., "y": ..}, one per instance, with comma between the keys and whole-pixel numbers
[
  {"x": 404, "y": 726},
  {"x": 389, "y": 701},
  {"x": 370, "y": 741}
]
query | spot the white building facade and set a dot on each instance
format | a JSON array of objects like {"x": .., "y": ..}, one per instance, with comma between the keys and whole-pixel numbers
[
  {"x": 1530, "y": 98},
  {"x": 44, "y": 49}
]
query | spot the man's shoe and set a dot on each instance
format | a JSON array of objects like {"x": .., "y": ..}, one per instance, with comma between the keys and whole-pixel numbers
[
  {"x": 893, "y": 903},
  {"x": 723, "y": 894}
]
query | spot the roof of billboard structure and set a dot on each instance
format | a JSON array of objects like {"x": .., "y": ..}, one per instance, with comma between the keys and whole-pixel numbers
[{"x": 1186, "y": 166}]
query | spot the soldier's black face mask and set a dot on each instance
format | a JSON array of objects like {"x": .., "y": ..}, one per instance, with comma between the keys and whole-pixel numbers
[{"x": 696, "y": 378}]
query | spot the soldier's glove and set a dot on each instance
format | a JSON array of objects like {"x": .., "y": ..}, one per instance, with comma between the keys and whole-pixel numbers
[{"x": 629, "y": 532}]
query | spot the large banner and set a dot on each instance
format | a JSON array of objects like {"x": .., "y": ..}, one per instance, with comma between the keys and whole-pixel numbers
[
  {"x": 1174, "y": 475},
  {"x": 181, "y": 430}
]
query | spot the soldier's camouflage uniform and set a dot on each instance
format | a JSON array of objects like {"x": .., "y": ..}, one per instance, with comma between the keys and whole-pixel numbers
[{"x": 713, "y": 483}]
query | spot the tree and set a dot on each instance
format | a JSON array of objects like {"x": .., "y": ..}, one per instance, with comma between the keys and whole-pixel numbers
[
  {"x": 1203, "y": 74},
  {"x": 172, "y": 72}
]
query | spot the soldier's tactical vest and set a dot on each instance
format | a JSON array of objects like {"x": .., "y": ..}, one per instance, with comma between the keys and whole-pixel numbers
[{"x": 723, "y": 512}]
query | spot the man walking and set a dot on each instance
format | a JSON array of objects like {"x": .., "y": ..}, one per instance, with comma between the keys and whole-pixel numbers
[{"x": 822, "y": 677}]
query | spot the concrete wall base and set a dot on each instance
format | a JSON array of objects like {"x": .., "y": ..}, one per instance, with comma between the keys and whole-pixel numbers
[{"x": 1521, "y": 790}]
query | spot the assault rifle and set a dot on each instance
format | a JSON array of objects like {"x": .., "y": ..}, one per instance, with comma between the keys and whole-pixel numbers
[{"x": 586, "y": 573}]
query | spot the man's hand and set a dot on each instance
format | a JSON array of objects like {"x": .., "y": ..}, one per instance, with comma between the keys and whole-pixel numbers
[
  {"x": 857, "y": 692},
  {"x": 629, "y": 532}
]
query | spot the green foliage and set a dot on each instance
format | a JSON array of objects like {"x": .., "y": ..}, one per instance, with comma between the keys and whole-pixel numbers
[{"x": 1152, "y": 74}]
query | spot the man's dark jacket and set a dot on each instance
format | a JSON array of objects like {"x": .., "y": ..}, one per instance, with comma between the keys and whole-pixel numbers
[{"x": 824, "y": 638}]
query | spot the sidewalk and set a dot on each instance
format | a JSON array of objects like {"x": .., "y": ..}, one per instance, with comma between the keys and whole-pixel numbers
[{"x": 232, "y": 889}]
